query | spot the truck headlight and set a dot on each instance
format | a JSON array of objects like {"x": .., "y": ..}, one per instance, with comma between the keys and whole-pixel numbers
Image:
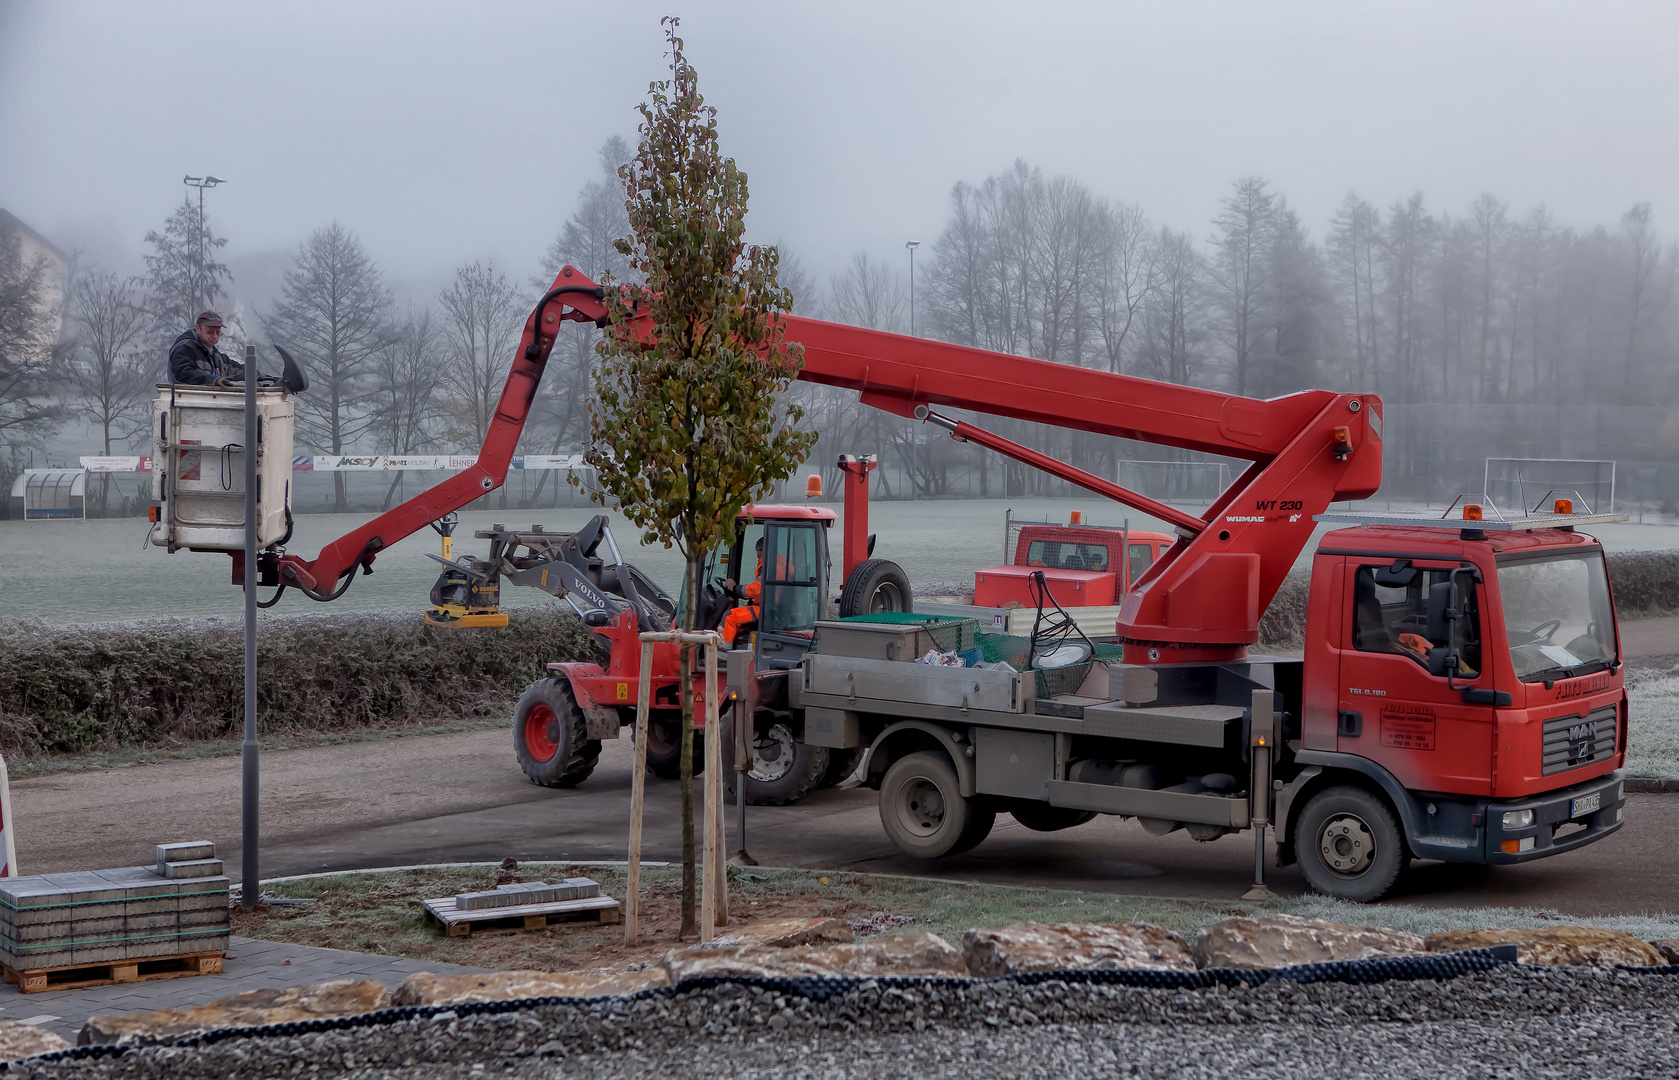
[{"x": 1517, "y": 819}]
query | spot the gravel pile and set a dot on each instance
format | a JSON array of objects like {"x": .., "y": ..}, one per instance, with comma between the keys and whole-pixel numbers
[{"x": 1510, "y": 1021}]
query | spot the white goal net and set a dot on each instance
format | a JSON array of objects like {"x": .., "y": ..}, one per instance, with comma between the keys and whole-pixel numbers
[
  {"x": 1197, "y": 482},
  {"x": 1524, "y": 483}
]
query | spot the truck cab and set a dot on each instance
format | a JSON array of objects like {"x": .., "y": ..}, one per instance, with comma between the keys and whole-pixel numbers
[
  {"x": 1473, "y": 676},
  {"x": 1083, "y": 565}
]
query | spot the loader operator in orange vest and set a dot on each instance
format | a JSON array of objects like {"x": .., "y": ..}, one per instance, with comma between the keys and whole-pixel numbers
[{"x": 752, "y": 592}]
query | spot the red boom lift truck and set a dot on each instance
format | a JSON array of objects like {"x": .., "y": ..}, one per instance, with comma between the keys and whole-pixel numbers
[{"x": 1460, "y": 697}]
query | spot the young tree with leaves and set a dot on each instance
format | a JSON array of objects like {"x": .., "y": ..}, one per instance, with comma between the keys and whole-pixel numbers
[{"x": 686, "y": 428}]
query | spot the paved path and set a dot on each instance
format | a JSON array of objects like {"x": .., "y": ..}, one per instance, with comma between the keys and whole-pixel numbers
[
  {"x": 460, "y": 798},
  {"x": 1642, "y": 638},
  {"x": 250, "y": 965}
]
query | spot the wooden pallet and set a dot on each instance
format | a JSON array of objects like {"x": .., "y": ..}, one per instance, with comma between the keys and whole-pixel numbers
[
  {"x": 76, "y": 976},
  {"x": 520, "y": 917}
]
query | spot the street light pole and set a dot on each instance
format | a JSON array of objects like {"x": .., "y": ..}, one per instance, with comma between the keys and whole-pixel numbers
[
  {"x": 914, "y": 439},
  {"x": 201, "y": 296}
]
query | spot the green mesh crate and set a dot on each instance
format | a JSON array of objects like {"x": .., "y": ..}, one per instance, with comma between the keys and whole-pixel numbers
[{"x": 950, "y": 633}]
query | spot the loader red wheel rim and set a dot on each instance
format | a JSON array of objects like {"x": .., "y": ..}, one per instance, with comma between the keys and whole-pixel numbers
[{"x": 541, "y": 727}]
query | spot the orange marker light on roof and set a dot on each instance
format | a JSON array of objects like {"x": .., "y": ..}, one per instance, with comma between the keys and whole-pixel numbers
[
  {"x": 1472, "y": 511},
  {"x": 1565, "y": 506},
  {"x": 1078, "y": 517},
  {"x": 813, "y": 486}
]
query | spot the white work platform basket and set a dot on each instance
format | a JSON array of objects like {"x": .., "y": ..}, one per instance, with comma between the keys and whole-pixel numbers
[{"x": 198, "y": 466}]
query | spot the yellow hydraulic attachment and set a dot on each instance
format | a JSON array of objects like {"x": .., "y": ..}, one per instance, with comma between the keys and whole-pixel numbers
[{"x": 466, "y": 594}]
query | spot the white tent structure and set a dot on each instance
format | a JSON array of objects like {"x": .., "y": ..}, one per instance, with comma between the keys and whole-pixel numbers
[{"x": 42, "y": 494}]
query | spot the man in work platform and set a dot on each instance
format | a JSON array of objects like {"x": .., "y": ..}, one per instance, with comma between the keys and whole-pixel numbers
[{"x": 194, "y": 359}]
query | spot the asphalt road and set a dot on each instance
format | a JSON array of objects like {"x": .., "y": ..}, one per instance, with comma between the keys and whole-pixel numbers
[{"x": 461, "y": 798}]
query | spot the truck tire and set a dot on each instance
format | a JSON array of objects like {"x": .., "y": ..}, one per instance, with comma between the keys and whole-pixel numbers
[
  {"x": 550, "y": 739},
  {"x": 664, "y": 748},
  {"x": 875, "y": 586},
  {"x": 1042, "y": 817},
  {"x": 784, "y": 770},
  {"x": 923, "y": 811},
  {"x": 1349, "y": 844}
]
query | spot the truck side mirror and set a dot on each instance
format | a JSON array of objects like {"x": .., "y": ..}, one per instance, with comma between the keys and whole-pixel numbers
[
  {"x": 1442, "y": 610},
  {"x": 1441, "y": 661}
]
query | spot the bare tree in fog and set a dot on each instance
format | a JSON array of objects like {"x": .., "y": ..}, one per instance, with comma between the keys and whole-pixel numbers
[
  {"x": 482, "y": 319},
  {"x": 1241, "y": 272},
  {"x": 1650, "y": 279},
  {"x": 1354, "y": 239},
  {"x": 29, "y": 322},
  {"x": 406, "y": 380},
  {"x": 867, "y": 294},
  {"x": 110, "y": 378},
  {"x": 586, "y": 242},
  {"x": 1174, "y": 316},
  {"x": 334, "y": 313},
  {"x": 1129, "y": 274}
]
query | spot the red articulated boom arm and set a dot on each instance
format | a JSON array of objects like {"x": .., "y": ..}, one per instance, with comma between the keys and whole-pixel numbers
[{"x": 1201, "y": 601}]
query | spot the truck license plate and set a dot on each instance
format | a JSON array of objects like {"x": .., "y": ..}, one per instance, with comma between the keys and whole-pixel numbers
[{"x": 1585, "y": 804}]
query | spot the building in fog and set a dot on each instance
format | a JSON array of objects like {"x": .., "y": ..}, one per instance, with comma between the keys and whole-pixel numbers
[{"x": 34, "y": 246}]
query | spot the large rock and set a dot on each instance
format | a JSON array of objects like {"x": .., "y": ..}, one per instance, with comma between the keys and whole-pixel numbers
[
  {"x": 424, "y": 988},
  {"x": 1073, "y": 947},
  {"x": 1284, "y": 940},
  {"x": 18, "y": 1040},
  {"x": 1669, "y": 948},
  {"x": 785, "y": 933},
  {"x": 253, "y": 1008},
  {"x": 892, "y": 954},
  {"x": 1556, "y": 946}
]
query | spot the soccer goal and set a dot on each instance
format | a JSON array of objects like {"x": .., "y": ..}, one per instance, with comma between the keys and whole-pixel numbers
[
  {"x": 1175, "y": 481},
  {"x": 1523, "y": 483}
]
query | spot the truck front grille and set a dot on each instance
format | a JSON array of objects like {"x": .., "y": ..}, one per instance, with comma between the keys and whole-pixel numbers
[{"x": 1574, "y": 741}]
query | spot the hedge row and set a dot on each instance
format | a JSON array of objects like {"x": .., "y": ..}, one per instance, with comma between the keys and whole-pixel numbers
[
  {"x": 1646, "y": 583},
  {"x": 103, "y": 687}
]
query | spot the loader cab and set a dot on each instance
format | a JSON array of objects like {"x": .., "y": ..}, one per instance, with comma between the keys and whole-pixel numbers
[{"x": 792, "y": 578}]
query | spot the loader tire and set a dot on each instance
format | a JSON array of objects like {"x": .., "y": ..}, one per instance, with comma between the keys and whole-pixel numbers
[
  {"x": 923, "y": 811},
  {"x": 784, "y": 770},
  {"x": 876, "y": 586},
  {"x": 550, "y": 739},
  {"x": 664, "y": 748}
]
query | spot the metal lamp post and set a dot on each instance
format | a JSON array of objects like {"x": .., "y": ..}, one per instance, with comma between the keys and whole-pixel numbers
[
  {"x": 202, "y": 300},
  {"x": 249, "y": 878},
  {"x": 914, "y": 439}
]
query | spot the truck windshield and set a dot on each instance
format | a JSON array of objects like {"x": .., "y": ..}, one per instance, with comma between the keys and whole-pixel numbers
[{"x": 1557, "y": 616}]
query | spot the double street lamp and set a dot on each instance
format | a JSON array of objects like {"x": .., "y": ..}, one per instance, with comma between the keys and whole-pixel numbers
[{"x": 200, "y": 294}]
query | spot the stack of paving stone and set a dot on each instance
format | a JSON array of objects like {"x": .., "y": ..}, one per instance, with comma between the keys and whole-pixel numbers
[
  {"x": 177, "y": 907},
  {"x": 529, "y": 892}
]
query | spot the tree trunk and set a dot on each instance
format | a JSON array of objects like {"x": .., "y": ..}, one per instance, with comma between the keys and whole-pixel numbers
[{"x": 690, "y": 922}]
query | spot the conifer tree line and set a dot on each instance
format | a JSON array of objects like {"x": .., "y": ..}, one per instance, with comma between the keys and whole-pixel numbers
[{"x": 1487, "y": 304}]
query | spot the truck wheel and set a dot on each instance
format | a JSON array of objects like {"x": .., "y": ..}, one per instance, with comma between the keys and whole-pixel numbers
[
  {"x": 923, "y": 811},
  {"x": 784, "y": 770},
  {"x": 549, "y": 736},
  {"x": 1349, "y": 844},
  {"x": 1042, "y": 817},
  {"x": 664, "y": 748},
  {"x": 875, "y": 586}
]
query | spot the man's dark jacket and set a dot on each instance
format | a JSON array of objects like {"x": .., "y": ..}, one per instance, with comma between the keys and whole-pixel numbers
[{"x": 196, "y": 364}]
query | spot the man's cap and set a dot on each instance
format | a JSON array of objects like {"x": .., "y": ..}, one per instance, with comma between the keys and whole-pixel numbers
[{"x": 209, "y": 318}]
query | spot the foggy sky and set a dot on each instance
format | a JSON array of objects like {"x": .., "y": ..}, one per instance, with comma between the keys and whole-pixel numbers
[{"x": 445, "y": 132}]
